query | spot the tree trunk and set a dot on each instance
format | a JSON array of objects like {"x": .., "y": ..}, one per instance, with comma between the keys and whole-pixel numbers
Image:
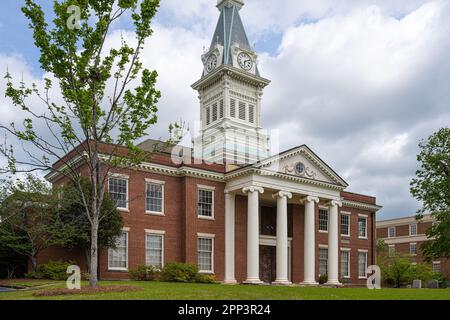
[
  {"x": 33, "y": 263},
  {"x": 87, "y": 253},
  {"x": 93, "y": 276}
]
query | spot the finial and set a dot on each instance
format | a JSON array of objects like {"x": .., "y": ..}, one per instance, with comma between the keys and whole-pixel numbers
[{"x": 228, "y": 3}]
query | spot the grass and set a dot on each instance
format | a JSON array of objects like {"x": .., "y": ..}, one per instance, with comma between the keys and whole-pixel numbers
[{"x": 175, "y": 291}]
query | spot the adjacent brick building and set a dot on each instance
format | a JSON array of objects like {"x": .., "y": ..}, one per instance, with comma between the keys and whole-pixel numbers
[{"x": 405, "y": 236}]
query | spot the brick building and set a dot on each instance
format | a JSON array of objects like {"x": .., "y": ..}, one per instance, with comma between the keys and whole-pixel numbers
[
  {"x": 405, "y": 236},
  {"x": 249, "y": 217}
]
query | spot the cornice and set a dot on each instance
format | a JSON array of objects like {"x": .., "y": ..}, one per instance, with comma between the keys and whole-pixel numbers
[{"x": 361, "y": 205}]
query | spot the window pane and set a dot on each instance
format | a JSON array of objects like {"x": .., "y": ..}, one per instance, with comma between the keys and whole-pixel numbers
[
  {"x": 154, "y": 250},
  {"x": 323, "y": 261},
  {"x": 205, "y": 203},
  {"x": 362, "y": 264},
  {"x": 155, "y": 197},
  {"x": 205, "y": 250},
  {"x": 392, "y": 232},
  {"x": 413, "y": 229},
  {"x": 323, "y": 220},
  {"x": 118, "y": 258},
  {"x": 362, "y": 224},
  {"x": 345, "y": 263},
  {"x": 118, "y": 191},
  {"x": 345, "y": 224}
]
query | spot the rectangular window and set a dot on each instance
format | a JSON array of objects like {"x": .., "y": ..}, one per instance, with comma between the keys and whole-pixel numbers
[
  {"x": 345, "y": 224},
  {"x": 214, "y": 112},
  {"x": 392, "y": 251},
  {"x": 118, "y": 257},
  {"x": 362, "y": 264},
  {"x": 437, "y": 266},
  {"x": 392, "y": 232},
  {"x": 362, "y": 226},
  {"x": 221, "y": 109},
  {"x": 413, "y": 230},
  {"x": 205, "y": 203},
  {"x": 242, "y": 111},
  {"x": 413, "y": 249},
  {"x": 155, "y": 198},
  {"x": 251, "y": 114},
  {"x": 205, "y": 254},
  {"x": 233, "y": 108},
  {"x": 208, "y": 116},
  {"x": 155, "y": 247},
  {"x": 323, "y": 220},
  {"x": 323, "y": 261},
  {"x": 345, "y": 264},
  {"x": 118, "y": 191}
]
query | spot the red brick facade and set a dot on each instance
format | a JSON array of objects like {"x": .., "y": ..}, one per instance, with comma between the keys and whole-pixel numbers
[
  {"x": 181, "y": 225},
  {"x": 403, "y": 239}
]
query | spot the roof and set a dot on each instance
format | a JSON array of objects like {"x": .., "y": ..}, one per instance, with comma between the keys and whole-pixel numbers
[{"x": 230, "y": 30}]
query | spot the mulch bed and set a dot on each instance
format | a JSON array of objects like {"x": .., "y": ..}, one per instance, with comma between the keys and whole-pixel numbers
[{"x": 86, "y": 290}]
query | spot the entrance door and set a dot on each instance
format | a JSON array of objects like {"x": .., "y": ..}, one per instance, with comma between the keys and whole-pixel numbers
[{"x": 267, "y": 263}]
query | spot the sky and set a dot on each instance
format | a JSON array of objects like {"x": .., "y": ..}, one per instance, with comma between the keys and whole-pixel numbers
[{"x": 360, "y": 82}]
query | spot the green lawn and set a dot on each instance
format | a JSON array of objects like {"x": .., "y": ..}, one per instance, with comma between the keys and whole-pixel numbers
[{"x": 172, "y": 291}]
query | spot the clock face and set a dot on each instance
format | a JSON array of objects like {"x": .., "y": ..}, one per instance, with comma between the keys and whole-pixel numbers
[
  {"x": 211, "y": 63},
  {"x": 245, "y": 61}
]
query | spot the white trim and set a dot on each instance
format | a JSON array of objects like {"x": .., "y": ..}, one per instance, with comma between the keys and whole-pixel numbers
[
  {"x": 126, "y": 231},
  {"x": 159, "y": 234},
  {"x": 163, "y": 200},
  {"x": 366, "y": 218},
  {"x": 363, "y": 215},
  {"x": 406, "y": 239},
  {"x": 323, "y": 246},
  {"x": 207, "y": 188},
  {"x": 367, "y": 258},
  {"x": 389, "y": 232},
  {"x": 346, "y": 249},
  {"x": 403, "y": 221},
  {"x": 118, "y": 176},
  {"x": 413, "y": 244},
  {"x": 417, "y": 229},
  {"x": 205, "y": 235},
  {"x": 361, "y": 205},
  {"x": 212, "y": 238},
  {"x": 363, "y": 250}
]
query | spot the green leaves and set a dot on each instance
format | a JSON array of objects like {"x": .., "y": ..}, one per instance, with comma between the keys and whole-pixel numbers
[{"x": 432, "y": 188}]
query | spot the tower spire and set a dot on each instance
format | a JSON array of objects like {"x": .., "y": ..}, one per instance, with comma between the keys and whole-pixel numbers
[{"x": 228, "y": 3}]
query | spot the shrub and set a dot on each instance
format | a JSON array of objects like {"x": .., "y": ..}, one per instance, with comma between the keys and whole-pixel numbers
[
  {"x": 203, "y": 278},
  {"x": 323, "y": 279},
  {"x": 54, "y": 270},
  {"x": 179, "y": 272},
  {"x": 145, "y": 273}
]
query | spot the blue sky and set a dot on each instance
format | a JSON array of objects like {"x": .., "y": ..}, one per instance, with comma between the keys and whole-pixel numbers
[{"x": 361, "y": 82}]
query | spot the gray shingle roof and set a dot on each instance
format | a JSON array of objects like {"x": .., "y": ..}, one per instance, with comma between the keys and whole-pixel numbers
[{"x": 230, "y": 30}]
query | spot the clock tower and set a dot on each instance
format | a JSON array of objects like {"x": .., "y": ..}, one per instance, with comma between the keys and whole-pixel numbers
[{"x": 230, "y": 93}]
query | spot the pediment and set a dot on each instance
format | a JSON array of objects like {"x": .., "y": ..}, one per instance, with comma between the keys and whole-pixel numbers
[{"x": 302, "y": 162}]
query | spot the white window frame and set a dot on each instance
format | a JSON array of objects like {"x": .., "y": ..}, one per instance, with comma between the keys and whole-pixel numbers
[
  {"x": 437, "y": 263},
  {"x": 391, "y": 246},
  {"x": 127, "y": 179},
  {"x": 366, "y": 218},
  {"x": 212, "y": 238},
  {"x": 160, "y": 233},
  {"x": 366, "y": 252},
  {"x": 127, "y": 232},
  {"x": 328, "y": 219},
  {"x": 162, "y": 184},
  {"x": 213, "y": 191},
  {"x": 389, "y": 232},
  {"x": 349, "y": 251},
  {"x": 349, "y": 215},
  {"x": 325, "y": 247},
  {"x": 410, "y": 228},
  {"x": 410, "y": 247}
]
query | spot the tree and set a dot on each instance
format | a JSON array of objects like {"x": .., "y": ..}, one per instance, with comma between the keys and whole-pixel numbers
[
  {"x": 432, "y": 188},
  {"x": 10, "y": 260},
  {"x": 75, "y": 226},
  {"x": 86, "y": 115},
  {"x": 27, "y": 213}
]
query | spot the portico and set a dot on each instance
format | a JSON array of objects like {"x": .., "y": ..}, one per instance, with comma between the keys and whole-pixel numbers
[{"x": 262, "y": 182}]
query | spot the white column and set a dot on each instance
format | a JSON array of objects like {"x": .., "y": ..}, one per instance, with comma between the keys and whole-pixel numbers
[
  {"x": 309, "y": 262},
  {"x": 253, "y": 234},
  {"x": 333, "y": 243},
  {"x": 282, "y": 238},
  {"x": 229, "y": 238}
]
